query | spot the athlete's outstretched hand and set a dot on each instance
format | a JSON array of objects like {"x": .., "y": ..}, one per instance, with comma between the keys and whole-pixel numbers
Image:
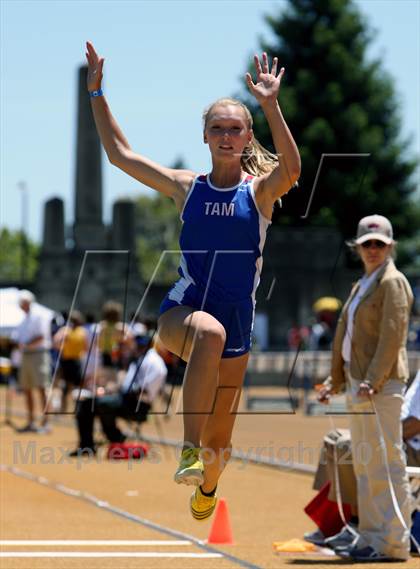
[
  {"x": 95, "y": 64},
  {"x": 266, "y": 88}
]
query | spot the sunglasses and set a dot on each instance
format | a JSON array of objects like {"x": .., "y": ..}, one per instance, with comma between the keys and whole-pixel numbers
[{"x": 373, "y": 242}]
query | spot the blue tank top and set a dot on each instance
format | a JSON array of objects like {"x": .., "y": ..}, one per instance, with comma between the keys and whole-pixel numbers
[{"x": 222, "y": 240}]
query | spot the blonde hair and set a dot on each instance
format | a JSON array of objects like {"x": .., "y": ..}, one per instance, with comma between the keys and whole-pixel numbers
[{"x": 255, "y": 160}]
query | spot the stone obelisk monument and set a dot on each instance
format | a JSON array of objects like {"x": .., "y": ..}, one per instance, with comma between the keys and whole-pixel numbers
[
  {"x": 97, "y": 263},
  {"x": 89, "y": 231}
]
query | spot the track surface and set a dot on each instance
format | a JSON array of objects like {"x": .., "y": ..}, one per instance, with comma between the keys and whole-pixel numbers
[{"x": 45, "y": 496}]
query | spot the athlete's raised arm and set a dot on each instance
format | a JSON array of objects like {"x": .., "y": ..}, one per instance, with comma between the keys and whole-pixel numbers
[
  {"x": 172, "y": 183},
  {"x": 266, "y": 90}
]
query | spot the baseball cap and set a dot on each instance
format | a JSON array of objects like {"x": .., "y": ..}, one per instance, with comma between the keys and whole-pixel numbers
[{"x": 374, "y": 227}]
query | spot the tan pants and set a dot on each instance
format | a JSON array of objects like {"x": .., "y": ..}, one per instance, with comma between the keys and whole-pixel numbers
[
  {"x": 379, "y": 524},
  {"x": 35, "y": 370}
]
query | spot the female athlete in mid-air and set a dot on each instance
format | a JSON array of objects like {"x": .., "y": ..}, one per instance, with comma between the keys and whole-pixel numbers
[{"x": 207, "y": 316}]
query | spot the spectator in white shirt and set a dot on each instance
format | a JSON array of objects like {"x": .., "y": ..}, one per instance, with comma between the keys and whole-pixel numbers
[{"x": 33, "y": 336}]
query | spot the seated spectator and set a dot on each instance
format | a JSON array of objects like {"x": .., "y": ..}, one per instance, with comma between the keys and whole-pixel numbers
[
  {"x": 71, "y": 342},
  {"x": 141, "y": 384}
]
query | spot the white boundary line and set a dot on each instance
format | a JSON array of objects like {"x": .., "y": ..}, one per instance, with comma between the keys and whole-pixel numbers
[
  {"x": 92, "y": 542},
  {"x": 31, "y": 554},
  {"x": 105, "y": 506}
]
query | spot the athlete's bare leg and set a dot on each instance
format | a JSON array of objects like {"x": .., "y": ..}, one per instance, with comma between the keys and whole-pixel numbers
[
  {"x": 217, "y": 432},
  {"x": 198, "y": 338}
]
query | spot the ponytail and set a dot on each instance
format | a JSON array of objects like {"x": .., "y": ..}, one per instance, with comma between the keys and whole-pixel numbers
[{"x": 257, "y": 160}]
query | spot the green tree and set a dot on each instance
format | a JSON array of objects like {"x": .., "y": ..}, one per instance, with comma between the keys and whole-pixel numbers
[
  {"x": 336, "y": 101},
  {"x": 158, "y": 227},
  {"x": 409, "y": 255},
  {"x": 11, "y": 256}
]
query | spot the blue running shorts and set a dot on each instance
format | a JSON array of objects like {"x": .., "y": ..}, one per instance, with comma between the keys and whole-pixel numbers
[{"x": 237, "y": 318}]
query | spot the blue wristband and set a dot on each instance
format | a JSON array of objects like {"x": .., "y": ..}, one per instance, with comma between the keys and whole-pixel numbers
[{"x": 97, "y": 93}]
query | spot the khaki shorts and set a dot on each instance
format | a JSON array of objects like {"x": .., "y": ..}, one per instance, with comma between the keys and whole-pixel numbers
[{"x": 35, "y": 370}]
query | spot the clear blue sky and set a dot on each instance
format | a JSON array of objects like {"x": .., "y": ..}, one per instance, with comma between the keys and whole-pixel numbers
[{"x": 165, "y": 61}]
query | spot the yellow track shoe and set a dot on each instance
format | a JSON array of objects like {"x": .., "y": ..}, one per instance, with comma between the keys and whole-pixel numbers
[
  {"x": 190, "y": 469},
  {"x": 202, "y": 506}
]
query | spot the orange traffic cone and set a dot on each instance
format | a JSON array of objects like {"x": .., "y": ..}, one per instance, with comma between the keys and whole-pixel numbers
[{"x": 221, "y": 531}]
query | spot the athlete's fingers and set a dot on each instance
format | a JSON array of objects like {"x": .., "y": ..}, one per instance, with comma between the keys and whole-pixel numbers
[
  {"x": 265, "y": 63},
  {"x": 90, "y": 47},
  {"x": 91, "y": 65},
  {"x": 257, "y": 65},
  {"x": 280, "y": 75},
  {"x": 92, "y": 51},
  {"x": 274, "y": 66},
  {"x": 249, "y": 81},
  {"x": 89, "y": 57}
]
